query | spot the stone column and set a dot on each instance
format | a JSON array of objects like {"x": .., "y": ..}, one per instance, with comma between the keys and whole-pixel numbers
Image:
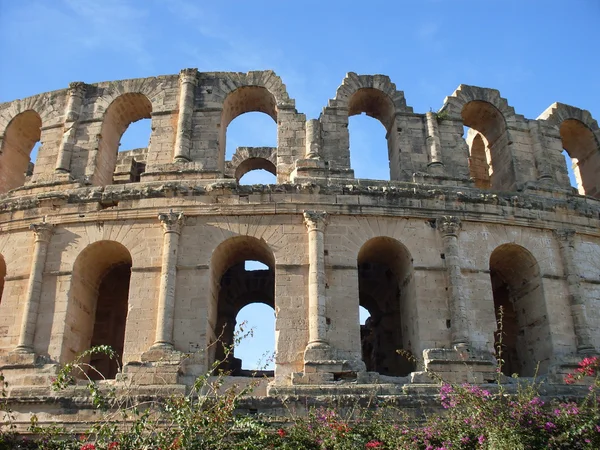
[
  {"x": 541, "y": 164},
  {"x": 188, "y": 79},
  {"x": 72, "y": 111},
  {"x": 42, "y": 232},
  {"x": 449, "y": 226},
  {"x": 566, "y": 242},
  {"x": 313, "y": 139},
  {"x": 317, "y": 323},
  {"x": 172, "y": 224},
  {"x": 433, "y": 142}
]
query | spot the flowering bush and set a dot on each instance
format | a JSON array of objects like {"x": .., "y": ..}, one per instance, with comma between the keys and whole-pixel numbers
[{"x": 473, "y": 417}]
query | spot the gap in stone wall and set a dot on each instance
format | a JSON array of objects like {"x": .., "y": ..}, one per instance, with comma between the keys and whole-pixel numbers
[{"x": 368, "y": 148}]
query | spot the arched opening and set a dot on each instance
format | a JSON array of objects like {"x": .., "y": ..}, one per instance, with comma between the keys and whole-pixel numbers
[
  {"x": 584, "y": 151},
  {"x": 247, "y": 99},
  {"x": 21, "y": 136},
  {"x": 97, "y": 308},
  {"x": 256, "y": 171},
  {"x": 479, "y": 166},
  {"x": 571, "y": 166},
  {"x": 370, "y": 146},
  {"x": 238, "y": 281},
  {"x": 2, "y": 275},
  {"x": 122, "y": 112},
  {"x": 255, "y": 350},
  {"x": 250, "y": 129},
  {"x": 517, "y": 288},
  {"x": 386, "y": 291},
  {"x": 485, "y": 119}
]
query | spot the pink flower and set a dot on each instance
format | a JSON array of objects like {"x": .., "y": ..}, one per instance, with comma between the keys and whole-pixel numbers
[
  {"x": 374, "y": 444},
  {"x": 88, "y": 447}
]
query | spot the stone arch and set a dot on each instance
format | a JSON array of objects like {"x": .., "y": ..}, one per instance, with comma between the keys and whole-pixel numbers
[
  {"x": 374, "y": 95},
  {"x": 20, "y": 136},
  {"x": 485, "y": 111},
  {"x": 385, "y": 280},
  {"x": 517, "y": 287},
  {"x": 233, "y": 287},
  {"x": 246, "y": 159},
  {"x": 122, "y": 112},
  {"x": 2, "y": 275},
  {"x": 580, "y": 136},
  {"x": 97, "y": 304},
  {"x": 479, "y": 159}
]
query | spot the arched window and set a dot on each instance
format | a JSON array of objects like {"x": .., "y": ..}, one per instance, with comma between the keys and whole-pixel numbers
[
  {"x": 97, "y": 308},
  {"x": 238, "y": 282},
  {"x": 584, "y": 151},
  {"x": 386, "y": 291},
  {"x": 370, "y": 144},
  {"x": 517, "y": 289},
  {"x": 121, "y": 113},
  {"x": 20, "y": 138},
  {"x": 133, "y": 152},
  {"x": 2, "y": 275},
  {"x": 253, "y": 129},
  {"x": 256, "y": 332},
  {"x": 489, "y": 122}
]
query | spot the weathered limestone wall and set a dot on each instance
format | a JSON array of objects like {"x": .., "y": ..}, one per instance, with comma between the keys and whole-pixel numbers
[{"x": 466, "y": 226}]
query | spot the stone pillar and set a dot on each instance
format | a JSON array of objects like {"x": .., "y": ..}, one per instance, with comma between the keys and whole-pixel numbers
[
  {"x": 313, "y": 139},
  {"x": 566, "y": 242},
  {"x": 188, "y": 79},
  {"x": 449, "y": 226},
  {"x": 318, "y": 346},
  {"x": 72, "y": 111},
  {"x": 172, "y": 224},
  {"x": 42, "y": 232},
  {"x": 435, "y": 164},
  {"x": 541, "y": 163}
]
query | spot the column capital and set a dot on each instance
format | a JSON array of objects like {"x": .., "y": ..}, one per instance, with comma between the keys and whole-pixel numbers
[
  {"x": 565, "y": 234},
  {"x": 188, "y": 76},
  {"x": 448, "y": 225},
  {"x": 315, "y": 220},
  {"x": 77, "y": 88},
  {"x": 172, "y": 222},
  {"x": 42, "y": 231}
]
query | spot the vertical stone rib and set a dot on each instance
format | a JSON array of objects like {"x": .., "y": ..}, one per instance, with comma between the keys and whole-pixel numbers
[
  {"x": 72, "y": 112},
  {"x": 313, "y": 139},
  {"x": 434, "y": 144},
  {"x": 172, "y": 224},
  {"x": 449, "y": 226},
  {"x": 315, "y": 222},
  {"x": 537, "y": 141},
  {"x": 43, "y": 233},
  {"x": 566, "y": 242},
  {"x": 188, "y": 79}
]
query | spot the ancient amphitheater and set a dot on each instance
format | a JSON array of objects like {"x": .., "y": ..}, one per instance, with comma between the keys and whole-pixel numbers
[{"x": 144, "y": 250}]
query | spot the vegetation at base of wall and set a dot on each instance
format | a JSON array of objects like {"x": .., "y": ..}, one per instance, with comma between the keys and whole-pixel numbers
[{"x": 206, "y": 419}]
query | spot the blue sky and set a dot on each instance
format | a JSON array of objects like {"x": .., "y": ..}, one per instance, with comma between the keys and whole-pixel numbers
[{"x": 534, "y": 52}]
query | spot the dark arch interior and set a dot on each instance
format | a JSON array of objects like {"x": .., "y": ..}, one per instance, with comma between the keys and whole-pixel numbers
[
  {"x": 2, "y": 275},
  {"x": 517, "y": 289},
  {"x": 385, "y": 291}
]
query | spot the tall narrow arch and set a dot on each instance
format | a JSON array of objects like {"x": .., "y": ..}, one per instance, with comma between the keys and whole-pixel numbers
[
  {"x": 479, "y": 159},
  {"x": 2, "y": 275},
  {"x": 488, "y": 121},
  {"x": 386, "y": 290},
  {"x": 243, "y": 100},
  {"x": 517, "y": 289},
  {"x": 583, "y": 148},
  {"x": 234, "y": 287},
  {"x": 21, "y": 135},
  {"x": 123, "y": 111},
  {"x": 97, "y": 306}
]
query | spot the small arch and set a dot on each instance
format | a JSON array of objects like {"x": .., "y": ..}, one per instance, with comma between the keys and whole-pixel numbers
[
  {"x": 252, "y": 129},
  {"x": 479, "y": 159},
  {"x": 243, "y": 100},
  {"x": 2, "y": 275},
  {"x": 251, "y": 164},
  {"x": 386, "y": 290},
  {"x": 20, "y": 137},
  {"x": 255, "y": 351},
  {"x": 122, "y": 112},
  {"x": 583, "y": 148},
  {"x": 233, "y": 288},
  {"x": 489, "y": 122},
  {"x": 97, "y": 306},
  {"x": 517, "y": 288}
]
